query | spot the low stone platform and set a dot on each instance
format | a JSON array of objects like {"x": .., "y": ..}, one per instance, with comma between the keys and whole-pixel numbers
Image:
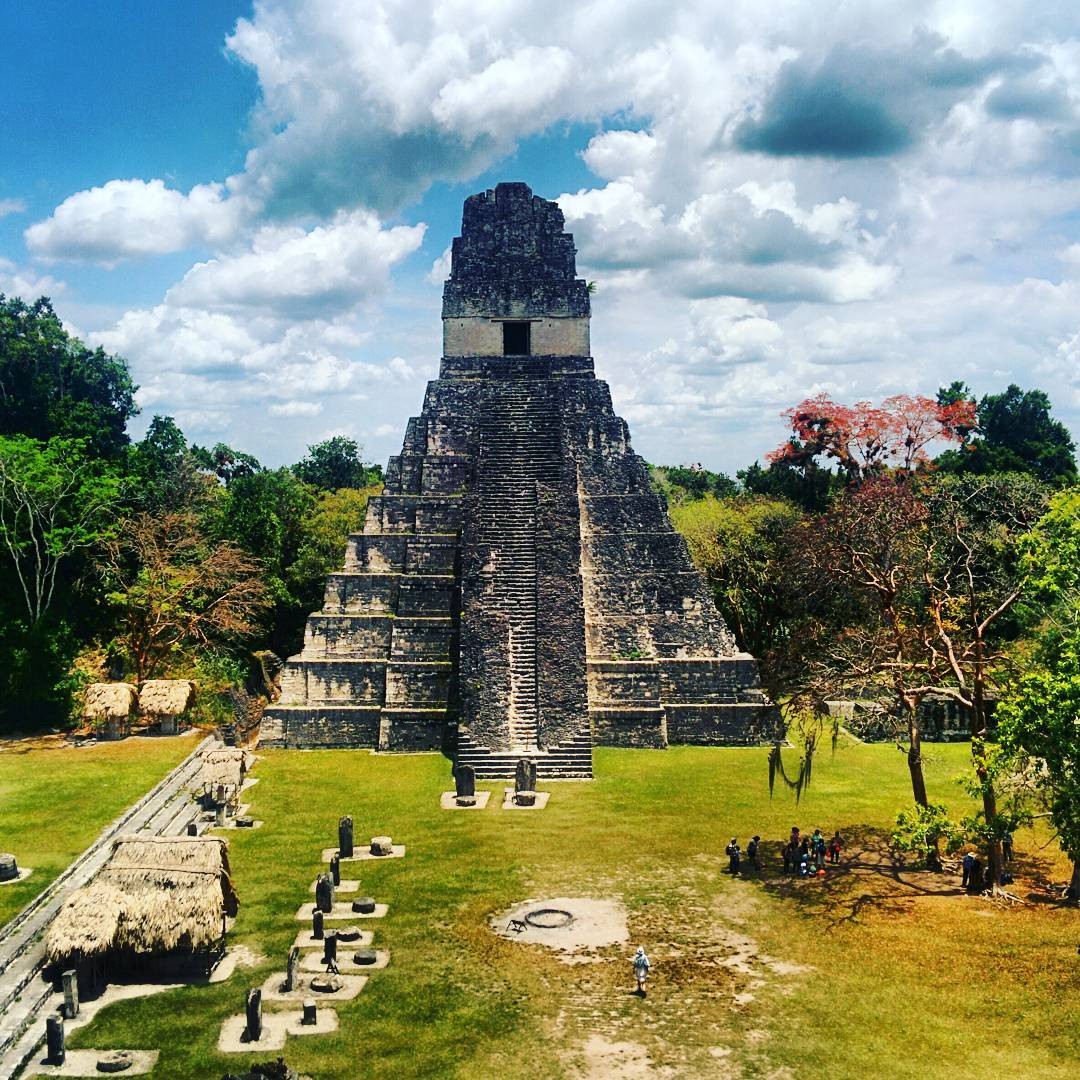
[
  {"x": 304, "y": 940},
  {"x": 341, "y": 911},
  {"x": 344, "y": 887},
  {"x": 272, "y": 994},
  {"x": 398, "y": 852},
  {"x": 313, "y": 961},
  {"x": 541, "y": 800},
  {"x": 448, "y": 801},
  {"x": 84, "y": 1063},
  {"x": 231, "y": 824},
  {"x": 276, "y": 1026}
]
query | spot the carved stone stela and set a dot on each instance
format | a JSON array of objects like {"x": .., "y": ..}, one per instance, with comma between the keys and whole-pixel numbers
[{"x": 518, "y": 589}]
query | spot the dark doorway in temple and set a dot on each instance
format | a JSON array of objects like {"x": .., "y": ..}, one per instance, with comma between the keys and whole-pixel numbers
[{"x": 516, "y": 339}]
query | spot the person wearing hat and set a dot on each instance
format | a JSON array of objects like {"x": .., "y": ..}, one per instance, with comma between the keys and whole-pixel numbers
[
  {"x": 733, "y": 854},
  {"x": 641, "y": 968},
  {"x": 752, "y": 853}
]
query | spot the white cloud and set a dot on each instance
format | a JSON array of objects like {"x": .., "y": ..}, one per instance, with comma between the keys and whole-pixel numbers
[
  {"x": 26, "y": 283},
  {"x": 296, "y": 408},
  {"x": 753, "y": 241},
  {"x": 11, "y": 206},
  {"x": 440, "y": 268},
  {"x": 126, "y": 219},
  {"x": 615, "y": 154},
  {"x": 748, "y": 250},
  {"x": 301, "y": 273}
]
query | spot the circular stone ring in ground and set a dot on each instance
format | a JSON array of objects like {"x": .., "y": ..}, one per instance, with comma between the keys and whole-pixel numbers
[{"x": 549, "y": 918}]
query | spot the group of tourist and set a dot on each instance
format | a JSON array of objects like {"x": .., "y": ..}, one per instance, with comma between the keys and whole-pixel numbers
[
  {"x": 802, "y": 855},
  {"x": 806, "y": 855}
]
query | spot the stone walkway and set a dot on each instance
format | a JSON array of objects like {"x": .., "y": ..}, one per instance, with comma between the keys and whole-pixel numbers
[{"x": 25, "y": 996}]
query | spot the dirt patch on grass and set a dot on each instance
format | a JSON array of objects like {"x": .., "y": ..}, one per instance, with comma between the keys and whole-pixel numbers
[
  {"x": 575, "y": 926},
  {"x": 710, "y": 981},
  {"x": 604, "y": 1059}
]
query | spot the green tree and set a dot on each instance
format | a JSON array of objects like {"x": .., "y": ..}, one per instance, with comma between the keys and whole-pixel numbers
[
  {"x": 52, "y": 385},
  {"x": 1015, "y": 433},
  {"x": 807, "y": 485},
  {"x": 55, "y": 503},
  {"x": 56, "y": 509},
  {"x": 265, "y": 514},
  {"x": 336, "y": 463},
  {"x": 684, "y": 483},
  {"x": 738, "y": 544},
  {"x": 226, "y": 463},
  {"x": 1039, "y": 717},
  {"x": 163, "y": 474},
  {"x": 325, "y": 532}
]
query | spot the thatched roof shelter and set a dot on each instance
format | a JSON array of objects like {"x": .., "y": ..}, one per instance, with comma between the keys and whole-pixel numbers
[
  {"x": 166, "y": 697},
  {"x": 223, "y": 766},
  {"x": 110, "y": 701},
  {"x": 156, "y": 895}
]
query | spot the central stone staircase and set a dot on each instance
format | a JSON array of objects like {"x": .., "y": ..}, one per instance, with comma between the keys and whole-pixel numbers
[{"x": 519, "y": 447}]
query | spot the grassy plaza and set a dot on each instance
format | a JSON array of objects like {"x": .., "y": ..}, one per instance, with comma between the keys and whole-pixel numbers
[
  {"x": 55, "y": 798},
  {"x": 869, "y": 971}
]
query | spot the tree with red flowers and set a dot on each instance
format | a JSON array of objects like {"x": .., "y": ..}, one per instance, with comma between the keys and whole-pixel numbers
[{"x": 865, "y": 439}]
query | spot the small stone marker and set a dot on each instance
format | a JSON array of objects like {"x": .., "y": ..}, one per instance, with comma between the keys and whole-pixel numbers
[
  {"x": 292, "y": 965},
  {"x": 115, "y": 1061},
  {"x": 193, "y": 828},
  {"x": 317, "y": 925},
  {"x": 465, "y": 785},
  {"x": 524, "y": 798},
  {"x": 245, "y": 823},
  {"x": 253, "y": 1010},
  {"x": 221, "y": 793},
  {"x": 54, "y": 1039},
  {"x": 324, "y": 894},
  {"x": 525, "y": 775},
  {"x": 382, "y": 845},
  {"x": 9, "y": 869},
  {"x": 364, "y": 906},
  {"x": 329, "y": 954},
  {"x": 219, "y": 815},
  {"x": 349, "y": 933},
  {"x": 70, "y": 982},
  {"x": 310, "y": 1017},
  {"x": 345, "y": 838},
  {"x": 335, "y": 869},
  {"x": 364, "y": 957}
]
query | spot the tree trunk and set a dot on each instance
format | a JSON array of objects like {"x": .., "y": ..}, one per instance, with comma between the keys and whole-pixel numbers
[
  {"x": 915, "y": 762},
  {"x": 993, "y": 847},
  {"x": 1074, "y": 885}
]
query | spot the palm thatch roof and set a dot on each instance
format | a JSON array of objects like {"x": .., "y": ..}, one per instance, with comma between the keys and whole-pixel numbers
[
  {"x": 166, "y": 697},
  {"x": 109, "y": 701},
  {"x": 156, "y": 894},
  {"x": 226, "y": 765}
]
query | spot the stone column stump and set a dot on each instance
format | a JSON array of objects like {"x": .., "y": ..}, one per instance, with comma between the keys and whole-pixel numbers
[
  {"x": 253, "y": 1012},
  {"x": 54, "y": 1039},
  {"x": 345, "y": 838}
]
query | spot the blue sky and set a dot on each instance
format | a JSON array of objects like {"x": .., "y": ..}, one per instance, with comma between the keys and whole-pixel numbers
[{"x": 251, "y": 202}]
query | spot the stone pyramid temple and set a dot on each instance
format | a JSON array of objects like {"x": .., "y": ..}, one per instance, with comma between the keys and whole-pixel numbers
[{"x": 518, "y": 589}]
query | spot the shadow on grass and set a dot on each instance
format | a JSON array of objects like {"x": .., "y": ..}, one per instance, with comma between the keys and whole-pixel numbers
[{"x": 870, "y": 875}]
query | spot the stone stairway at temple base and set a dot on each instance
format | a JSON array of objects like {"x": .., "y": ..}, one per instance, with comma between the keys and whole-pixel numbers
[{"x": 571, "y": 761}]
